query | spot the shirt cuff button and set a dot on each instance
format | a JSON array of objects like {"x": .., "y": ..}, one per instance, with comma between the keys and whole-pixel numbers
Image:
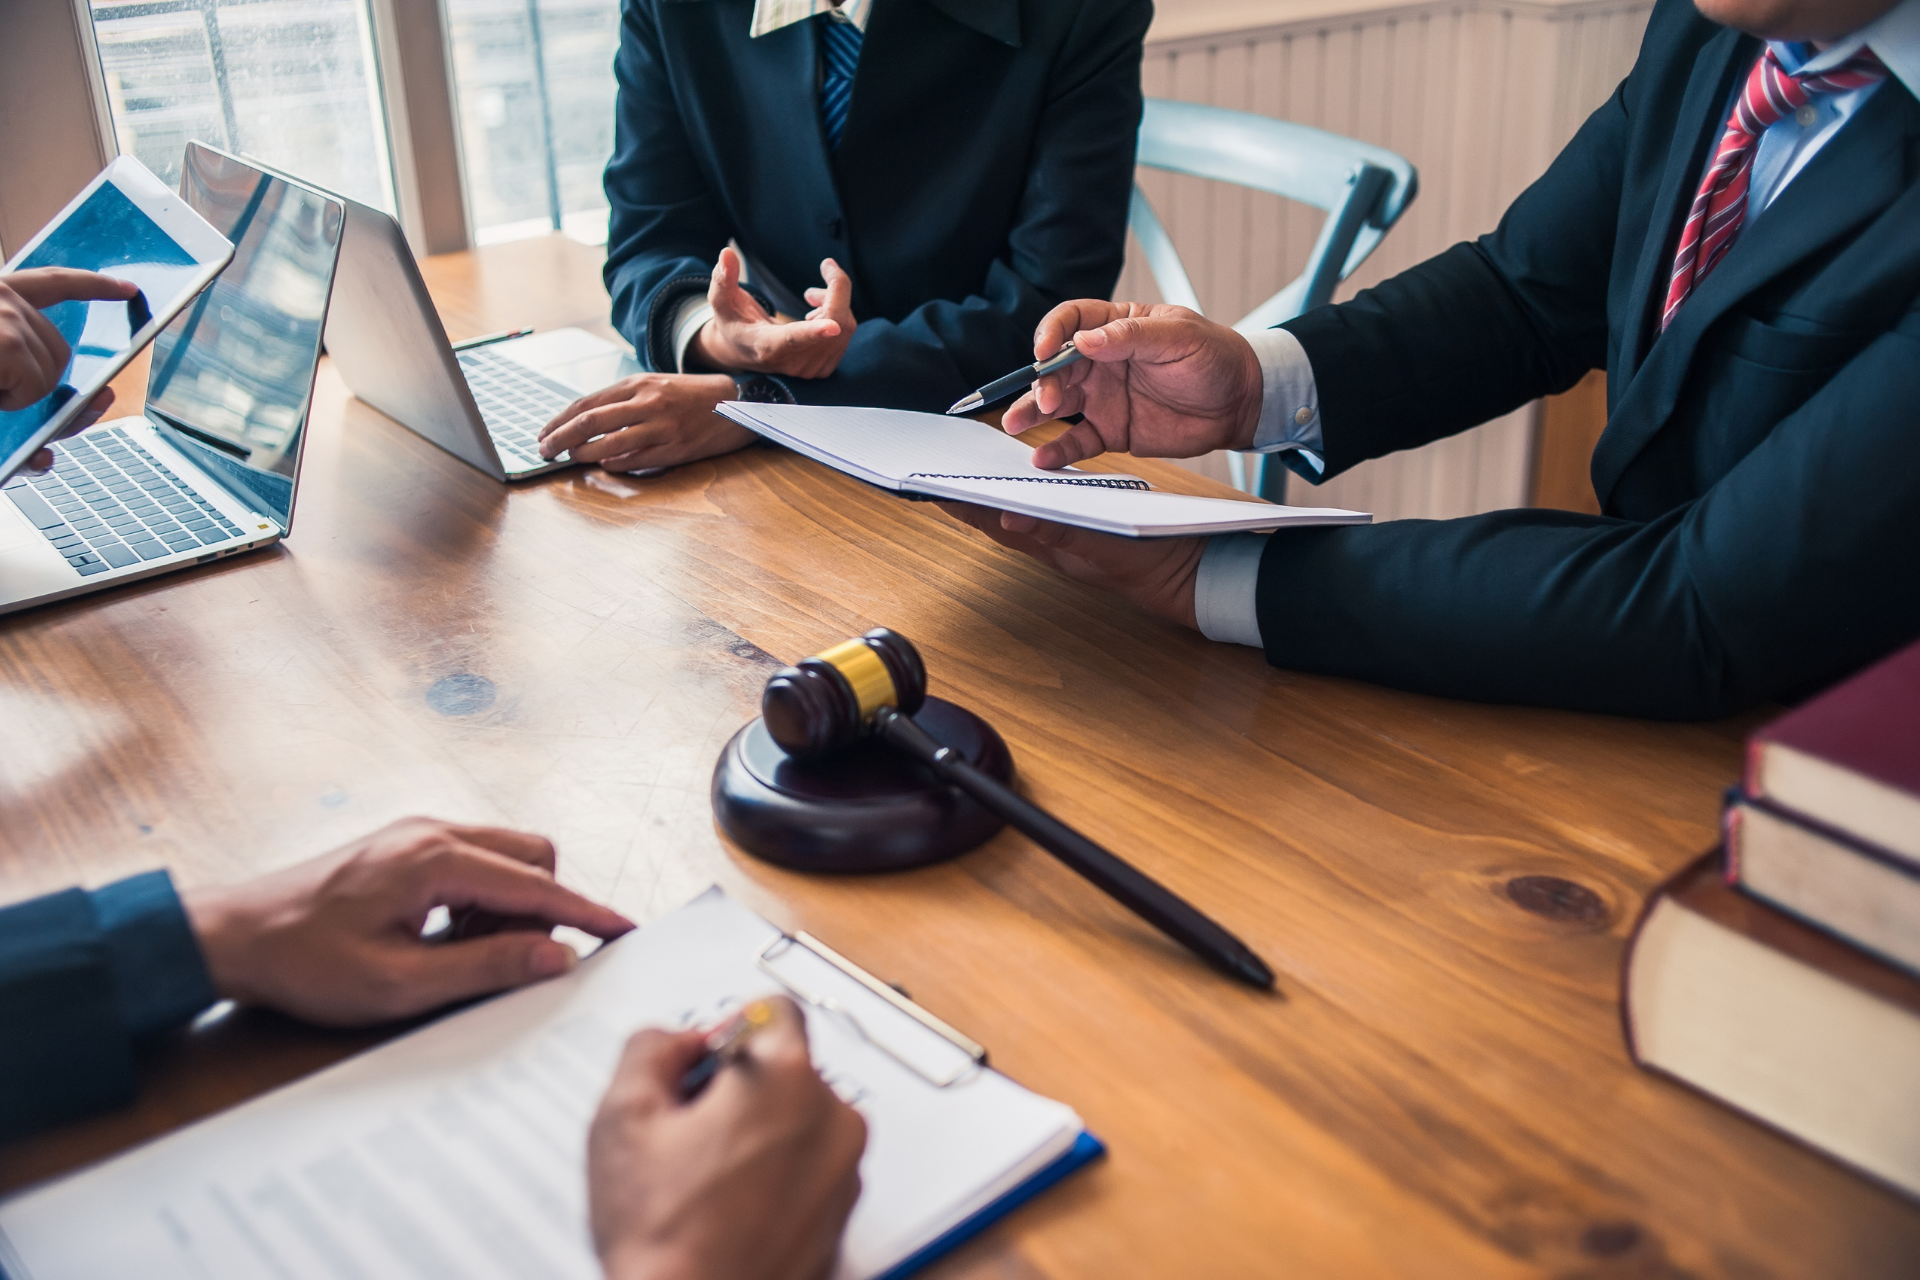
[{"x": 1303, "y": 415}]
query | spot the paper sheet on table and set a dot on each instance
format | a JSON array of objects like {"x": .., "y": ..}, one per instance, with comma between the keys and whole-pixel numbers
[{"x": 459, "y": 1149}]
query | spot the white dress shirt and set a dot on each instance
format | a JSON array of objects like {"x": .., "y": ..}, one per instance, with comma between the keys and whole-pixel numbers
[
  {"x": 1223, "y": 590},
  {"x": 768, "y": 15}
]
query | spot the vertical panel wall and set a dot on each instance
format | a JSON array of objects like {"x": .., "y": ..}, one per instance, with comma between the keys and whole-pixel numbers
[{"x": 1480, "y": 96}]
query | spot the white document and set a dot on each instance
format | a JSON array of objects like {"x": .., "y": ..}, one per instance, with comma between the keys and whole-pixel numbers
[
  {"x": 957, "y": 458},
  {"x": 459, "y": 1149}
]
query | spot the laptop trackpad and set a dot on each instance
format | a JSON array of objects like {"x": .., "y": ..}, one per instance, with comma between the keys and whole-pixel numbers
[{"x": 15, "y": 529}]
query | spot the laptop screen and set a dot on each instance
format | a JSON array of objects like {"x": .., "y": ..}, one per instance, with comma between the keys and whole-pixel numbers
[{"x": 232, "y": 376}]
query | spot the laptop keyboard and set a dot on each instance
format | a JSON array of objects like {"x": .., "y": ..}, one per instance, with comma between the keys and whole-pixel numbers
[
  {"x": 515, "y": 403},
  {"x": 108, "y": 504}
]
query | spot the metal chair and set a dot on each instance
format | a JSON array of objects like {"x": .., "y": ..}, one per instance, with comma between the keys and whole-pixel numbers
[{"x": 1364, "y": 190}]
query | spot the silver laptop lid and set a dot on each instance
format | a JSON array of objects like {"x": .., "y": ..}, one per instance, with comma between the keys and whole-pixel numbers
[{"x": 232, "y": 377}]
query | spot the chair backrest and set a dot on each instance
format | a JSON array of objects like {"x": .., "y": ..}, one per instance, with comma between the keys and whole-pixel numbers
[{"x": 1364, "y": 190}]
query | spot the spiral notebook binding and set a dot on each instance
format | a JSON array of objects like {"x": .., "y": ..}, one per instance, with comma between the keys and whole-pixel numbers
[{"x": 1097, "y": 482}]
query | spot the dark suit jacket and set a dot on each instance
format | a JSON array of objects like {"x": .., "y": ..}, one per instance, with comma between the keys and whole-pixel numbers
[
  {"x": 83, "y": 978},
  {"x": 1759, "y": 475},
  {"x": 982, "y": 178}
]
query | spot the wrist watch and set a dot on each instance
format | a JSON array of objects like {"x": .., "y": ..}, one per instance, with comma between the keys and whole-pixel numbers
[{"x": 757, "y": 388}]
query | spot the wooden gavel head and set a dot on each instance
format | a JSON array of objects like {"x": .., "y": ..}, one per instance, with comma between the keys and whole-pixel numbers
[{"x": 828, "y": 701}]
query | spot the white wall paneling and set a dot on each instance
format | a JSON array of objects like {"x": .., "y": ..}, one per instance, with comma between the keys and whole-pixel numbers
[{"x": 1479, "y": 95}]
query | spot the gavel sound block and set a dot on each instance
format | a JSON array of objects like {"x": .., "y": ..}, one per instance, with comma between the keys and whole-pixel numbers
[{"x": 866, "y": 808}]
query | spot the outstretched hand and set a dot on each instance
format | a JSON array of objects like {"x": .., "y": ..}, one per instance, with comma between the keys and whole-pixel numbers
[
  {"x": 336, "y": 940},
  {"x": 743, "y": 338},
  {"x": 1157, "y": 574},
  {"x": 1158, "y": 382}
]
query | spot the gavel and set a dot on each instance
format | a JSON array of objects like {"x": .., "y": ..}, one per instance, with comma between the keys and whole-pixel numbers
[{"x": 869, "y": 687}]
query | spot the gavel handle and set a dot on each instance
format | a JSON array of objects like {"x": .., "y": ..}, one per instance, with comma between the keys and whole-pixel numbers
[{"x": 1126, "y": 884}]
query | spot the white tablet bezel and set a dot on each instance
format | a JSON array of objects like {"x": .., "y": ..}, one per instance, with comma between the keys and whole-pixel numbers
[{"x": 176, "y": 219}]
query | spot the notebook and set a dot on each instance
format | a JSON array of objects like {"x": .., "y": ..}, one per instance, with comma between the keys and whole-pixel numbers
[
  {"x": 459, "y": 1149},
  {"x": 935, "y": 456}
]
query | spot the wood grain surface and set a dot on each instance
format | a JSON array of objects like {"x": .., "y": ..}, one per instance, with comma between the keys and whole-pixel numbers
[{"x": 1440, "y": 1087}]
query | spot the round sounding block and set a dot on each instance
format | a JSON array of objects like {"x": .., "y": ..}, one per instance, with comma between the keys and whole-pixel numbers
[{"x": 867, "y": 808}]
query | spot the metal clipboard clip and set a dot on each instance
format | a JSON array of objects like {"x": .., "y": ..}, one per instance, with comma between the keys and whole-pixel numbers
[{"x": 822, "y": 978}]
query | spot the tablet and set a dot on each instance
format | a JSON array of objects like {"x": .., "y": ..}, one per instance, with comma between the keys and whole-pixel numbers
[{"x": 126, "y": 224}]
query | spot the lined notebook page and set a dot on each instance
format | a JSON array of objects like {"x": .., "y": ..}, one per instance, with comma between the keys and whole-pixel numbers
[
  {"x": 970, "y": 461},
  {"x": 886, "y": 446},
  {"x": 459, "y": 1150}
]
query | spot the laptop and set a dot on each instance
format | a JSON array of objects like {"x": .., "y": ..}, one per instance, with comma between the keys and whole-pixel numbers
[
  {"x": 211, "y": 467},
  {"x": 483, "y": 401}
]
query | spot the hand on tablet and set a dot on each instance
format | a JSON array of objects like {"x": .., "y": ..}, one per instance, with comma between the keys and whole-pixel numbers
[
  {"x": 751, "y": 1180},
  {"x": 743, "y": 338},
  {"x": 1157, "y": 574},
  {"x": 33, "y": 355},
  {"x": 336, "y": 939},
  {"x": 1157, "y": 382}
]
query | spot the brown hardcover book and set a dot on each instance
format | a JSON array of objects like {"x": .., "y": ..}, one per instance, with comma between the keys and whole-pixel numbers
[
  {"x": 1780, "y": 1020},
  {"x": 1850, "y": 758}
]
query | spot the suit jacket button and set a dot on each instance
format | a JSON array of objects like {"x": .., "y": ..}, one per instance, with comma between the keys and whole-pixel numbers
[{"x": 834, "y": 227}]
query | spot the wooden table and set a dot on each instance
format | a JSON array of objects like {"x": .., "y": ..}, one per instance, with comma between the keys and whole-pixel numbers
[{"x": 1441, "y": 1089}]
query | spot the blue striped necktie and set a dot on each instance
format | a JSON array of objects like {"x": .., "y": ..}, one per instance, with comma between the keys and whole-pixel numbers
[{"x": 840, "y": 52}]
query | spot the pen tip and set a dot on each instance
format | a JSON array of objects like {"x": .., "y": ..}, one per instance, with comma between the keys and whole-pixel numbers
[{"x": 965, "y": 404}]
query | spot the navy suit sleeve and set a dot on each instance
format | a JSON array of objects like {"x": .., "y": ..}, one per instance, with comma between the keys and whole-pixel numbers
[
  {"x": 1752, "y": 592},
  {"x": 1068, "y": 239},
  {"x": 665, "y": 230},
  {"x": 83, "y": 978},
  {"x": 1411, "y": 361}
]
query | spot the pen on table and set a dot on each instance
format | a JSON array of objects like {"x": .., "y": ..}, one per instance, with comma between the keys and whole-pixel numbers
[
  {"x": 486, "y": 339},
  {"x": 1018, "y": 380},
  {"x": 725, "y": 1044}
]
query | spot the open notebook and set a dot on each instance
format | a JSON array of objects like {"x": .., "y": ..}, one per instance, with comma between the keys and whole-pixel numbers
[
  {"x": 459, "y": 1149},
  {"x": 931, "y": 455}
]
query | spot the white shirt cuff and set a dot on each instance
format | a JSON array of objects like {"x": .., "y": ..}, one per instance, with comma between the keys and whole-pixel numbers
[
  {"x": 687, "y": 319},
  {"x": 1289, "y": 397},
  {"x": 1223, "y": 589}
]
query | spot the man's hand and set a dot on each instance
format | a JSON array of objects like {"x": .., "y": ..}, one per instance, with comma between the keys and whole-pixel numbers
[
  {"x": 752, "y": 1180},
  {"x": 647, "y": 420},
  {"x": 33, "y": 355},
  {"x": 1157, "y": 382},
  {"x": 336, "y": 940},
  {"x": 743, "y": 338},
  {"x": 1157, "y": 574}
]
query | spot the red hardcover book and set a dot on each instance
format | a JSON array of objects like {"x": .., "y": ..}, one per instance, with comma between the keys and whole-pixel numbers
[{"x": 1850, "y": 758}]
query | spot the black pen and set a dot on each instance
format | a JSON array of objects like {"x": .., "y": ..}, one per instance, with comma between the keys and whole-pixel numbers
[
  {"x": 725, "y": 1044},
  {"x": 1018, "y": 380},
  {"x": 488, "y": 339}
]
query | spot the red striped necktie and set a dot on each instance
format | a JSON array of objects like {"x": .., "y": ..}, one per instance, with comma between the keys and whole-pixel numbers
[{"x": 1770, "y": 96}]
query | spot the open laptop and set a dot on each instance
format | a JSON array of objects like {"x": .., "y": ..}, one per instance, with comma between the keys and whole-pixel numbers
[
  {"x": 484, "y": 402},
  {"x": 211, "y": 467}
]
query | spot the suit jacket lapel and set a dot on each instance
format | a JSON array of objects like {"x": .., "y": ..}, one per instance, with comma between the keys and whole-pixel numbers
[
  {"x": 1852, "y": 178},
  {"x": 1719, "y": 61}
]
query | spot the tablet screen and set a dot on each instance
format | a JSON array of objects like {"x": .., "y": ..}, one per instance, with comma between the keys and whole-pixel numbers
[{"x": 110, "y": 234}]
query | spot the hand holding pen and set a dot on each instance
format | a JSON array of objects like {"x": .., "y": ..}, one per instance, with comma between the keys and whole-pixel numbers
[{"x": 753, "y": 1177}]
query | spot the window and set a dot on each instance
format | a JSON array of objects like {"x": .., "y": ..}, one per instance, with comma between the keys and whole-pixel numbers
[
  {"x": 534, "y": 83},
  {"x": 294, "y": 82}
]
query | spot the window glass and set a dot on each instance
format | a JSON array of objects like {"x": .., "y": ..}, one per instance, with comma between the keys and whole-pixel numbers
[
  {"x": 294, "y": 82},
  {"x": 534, "y": 81}
]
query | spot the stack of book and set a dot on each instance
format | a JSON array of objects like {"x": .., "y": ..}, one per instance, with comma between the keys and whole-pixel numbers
[{"x": 1781, "y": 973}]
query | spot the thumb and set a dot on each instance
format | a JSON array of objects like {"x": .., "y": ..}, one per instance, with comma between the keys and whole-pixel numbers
[
  {"x": 652, "y": 1066},
  {"x": 728, "y": 300},
  {"x": 1149, "y": 340},
  {"x": 481, "y": 966}
]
